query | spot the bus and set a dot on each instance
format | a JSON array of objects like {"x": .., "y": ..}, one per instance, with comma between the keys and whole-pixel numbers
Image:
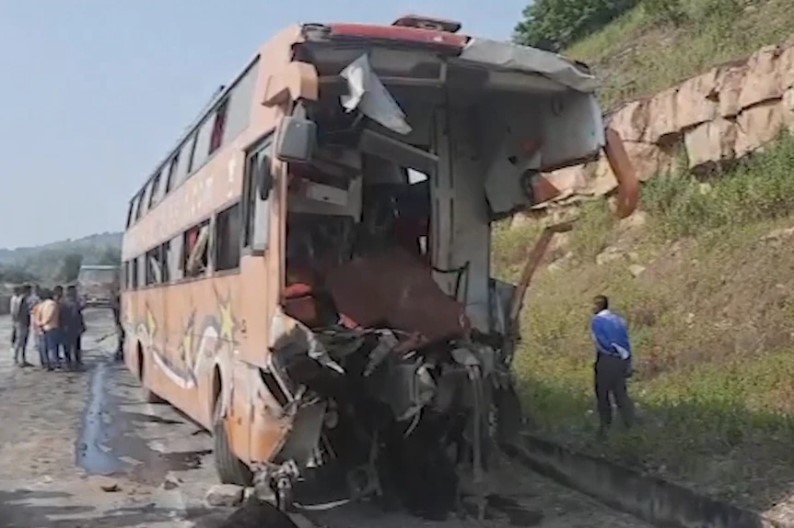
[
  {"x": 97, "y": 284},
  {"x": 307, "y": 273}
]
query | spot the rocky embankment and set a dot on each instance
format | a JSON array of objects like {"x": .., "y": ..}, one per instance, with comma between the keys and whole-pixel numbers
[{"x": 714, "y": 119}]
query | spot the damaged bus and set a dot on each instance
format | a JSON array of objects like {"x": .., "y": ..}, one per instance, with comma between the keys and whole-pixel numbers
[{"x": 307, "y": 273}]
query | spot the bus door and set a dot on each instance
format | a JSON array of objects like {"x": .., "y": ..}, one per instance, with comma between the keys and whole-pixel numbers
[{"x": 260, "y": 265}]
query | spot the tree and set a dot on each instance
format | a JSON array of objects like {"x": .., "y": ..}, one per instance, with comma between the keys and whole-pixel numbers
[
  {"x": 70, "y": 267},
  {"x": 555, "y": 24},
  {"x": 16, "y": 275}
]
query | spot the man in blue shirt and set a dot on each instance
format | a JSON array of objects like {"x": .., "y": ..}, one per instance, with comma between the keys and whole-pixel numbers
[{"x": 613, "y": 364}]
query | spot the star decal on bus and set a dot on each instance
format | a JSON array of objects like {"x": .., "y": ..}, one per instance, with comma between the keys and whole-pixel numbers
[
  {"x": 187, "y": 340},
  {"x": 227, "y": 322},
  {"x": 151, "y": 323}
]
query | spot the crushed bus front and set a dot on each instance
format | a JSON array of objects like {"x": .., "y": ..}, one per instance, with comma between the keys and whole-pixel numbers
[{"x": 391, "y": 350}]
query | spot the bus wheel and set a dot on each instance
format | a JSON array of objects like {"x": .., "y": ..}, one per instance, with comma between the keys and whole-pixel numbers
[
  {"x": 231, "y": 470},
  {"x": 148, "y": 395}
]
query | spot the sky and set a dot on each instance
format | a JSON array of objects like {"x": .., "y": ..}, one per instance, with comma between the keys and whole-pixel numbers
[{"x": 95, "y": 92}]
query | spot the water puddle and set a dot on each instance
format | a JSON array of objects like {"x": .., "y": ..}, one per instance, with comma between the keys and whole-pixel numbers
[
  {"x": 94, "y": 454},
  {"x": 108, "y": 444}
]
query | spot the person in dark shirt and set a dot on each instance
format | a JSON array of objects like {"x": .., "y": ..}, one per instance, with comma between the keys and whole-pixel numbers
[
  {"x": 21, "y": 317},
  {"x": 72, "y": 327},
  {"x": 116, "y": 307}
]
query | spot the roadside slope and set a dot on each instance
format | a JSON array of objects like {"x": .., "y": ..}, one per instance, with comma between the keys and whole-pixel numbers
[
  {"x": 648, "y": 50},
  {"x": 705, "y": 276}
]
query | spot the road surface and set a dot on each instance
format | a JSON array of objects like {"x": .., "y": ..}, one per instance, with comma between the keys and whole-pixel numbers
[{"x": 83, "y": 450}]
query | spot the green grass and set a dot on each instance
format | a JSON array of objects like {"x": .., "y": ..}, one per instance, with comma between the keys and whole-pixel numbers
[
  {"x": 758, "y": 189},
  {"x": 640, "y": 55},
  {"x": 712, "y": 321}
]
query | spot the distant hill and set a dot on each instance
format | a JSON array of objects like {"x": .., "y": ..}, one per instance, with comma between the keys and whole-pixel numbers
[
  {"x": 87, "y": 244},
  {"x": 57, "y": 260}
]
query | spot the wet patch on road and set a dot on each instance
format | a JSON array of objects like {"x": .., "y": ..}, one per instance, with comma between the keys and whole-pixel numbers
[
  {"x": 108, "y": 443},
  {"x": 94, "y": 450}
]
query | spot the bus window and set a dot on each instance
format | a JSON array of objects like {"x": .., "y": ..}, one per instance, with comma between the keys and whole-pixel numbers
[
  {"x": 227, "y": 239},
  {"x": 218, "y": 126},
  {"x": 154, "y": 268},
  {"x": 129, "y": 212},
  {"x": 164, "y": 261},
  {"x": 239, "y": 114},
  {"x": 196, "y": 251},
  {"x": 203, "y": 138},
  {"x": 154, "y": 195},
  {"x": 183, "y": 168},
  {"x": 133, "y": 264},
  {"x": 139, "y": 205},
  {"x": 169, "y": 183},
  {"x": 257, "y": 219},
  {"x": 174, "y": 256}
]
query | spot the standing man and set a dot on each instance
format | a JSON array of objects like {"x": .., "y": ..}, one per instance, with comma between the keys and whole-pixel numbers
[
  {"x": 116, "y": 307},
  {"x": 613, "y": 364},
  {"x": 47, "y": 321},
  {"x": 72, "y": 327},
  {"x": 13, "y": 309},
  {"x": 38, "y": 332},
  {"x": 21, "y": 319}
]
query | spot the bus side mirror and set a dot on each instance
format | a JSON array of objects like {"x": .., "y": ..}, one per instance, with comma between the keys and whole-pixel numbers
[
  {"x": 297, "y": 139},
  {"x": 264, "y": 178}
]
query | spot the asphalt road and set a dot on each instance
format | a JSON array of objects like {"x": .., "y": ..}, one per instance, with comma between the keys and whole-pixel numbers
[{"x": 83, "y": 450}]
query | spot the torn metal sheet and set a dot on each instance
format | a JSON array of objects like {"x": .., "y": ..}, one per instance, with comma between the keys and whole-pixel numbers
[
  {"x": 368, "y": 95},
  {"x": 531, "y": 60}
]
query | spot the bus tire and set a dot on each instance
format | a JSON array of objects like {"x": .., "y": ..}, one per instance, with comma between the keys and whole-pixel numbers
[{"x": 230, "y": 469}]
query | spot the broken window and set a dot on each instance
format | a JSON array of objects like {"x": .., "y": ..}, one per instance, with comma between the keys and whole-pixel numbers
[
  {"x": 154, "y": 267},
  {"x": 218, "y": 127},
  {"x": 154, "y": 195},
  {"x": 196, "y": 251},
  {"x": 169, "y": 184},
  {"x": 173, "y": 257},
  {"x": 227, "y": 239}
]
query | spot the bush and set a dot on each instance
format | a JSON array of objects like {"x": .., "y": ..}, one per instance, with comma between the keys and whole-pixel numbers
[
  {"x": 760, "y": 188},
  {"x": 665, "y": 11},
  {"x": 555, "y": 24}
]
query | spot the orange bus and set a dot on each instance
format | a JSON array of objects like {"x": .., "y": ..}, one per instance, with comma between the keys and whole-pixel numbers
[{"x": 307, "y": 273}]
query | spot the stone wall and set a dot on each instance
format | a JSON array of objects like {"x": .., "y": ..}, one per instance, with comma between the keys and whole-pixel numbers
[{"x": 722, "y": 115}]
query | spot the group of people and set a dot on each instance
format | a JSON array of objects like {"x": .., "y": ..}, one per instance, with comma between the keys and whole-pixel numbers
[{"x": 55, "y": 320}]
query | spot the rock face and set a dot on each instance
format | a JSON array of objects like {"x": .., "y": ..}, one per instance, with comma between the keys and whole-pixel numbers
[{"x": 725, "y": 113}]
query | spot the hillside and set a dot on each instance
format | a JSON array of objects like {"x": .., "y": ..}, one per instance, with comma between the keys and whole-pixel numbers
[
  {"x": 661, "y": 42},
  {"x": 49, "y": 262},
  {"x": 704, "y": 273}
]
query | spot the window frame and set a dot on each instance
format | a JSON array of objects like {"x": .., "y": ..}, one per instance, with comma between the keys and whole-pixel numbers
[
  {"x": 217, "y": 245},
  {"x": 154, "y": 194},
  {"x": 209, "y": 250},
  {"x": 250, "y": 198}
]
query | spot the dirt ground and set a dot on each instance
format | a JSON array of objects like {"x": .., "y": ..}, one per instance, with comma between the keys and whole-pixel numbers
[{"x": 82, "y": 450}]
